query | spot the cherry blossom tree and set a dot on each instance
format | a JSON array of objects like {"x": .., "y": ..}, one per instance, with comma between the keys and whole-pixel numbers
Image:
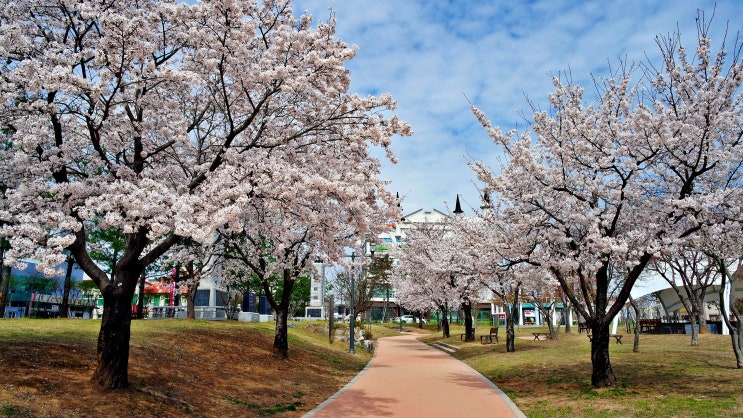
[
  {"x": 434, "y": 273},
  {"x": 318, "y": 213},
  {"x": 605, "y": 186},
  {"x": 162, "y": 120},
  {"x": 690, "y": 273},
  {"x": 497, "y": 259}
]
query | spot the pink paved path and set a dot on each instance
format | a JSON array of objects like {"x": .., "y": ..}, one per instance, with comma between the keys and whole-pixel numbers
[{"x": 407, "y": 378}]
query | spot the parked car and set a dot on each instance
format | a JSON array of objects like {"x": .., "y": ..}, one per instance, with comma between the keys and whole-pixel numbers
[{"x": 410, "y": 319}]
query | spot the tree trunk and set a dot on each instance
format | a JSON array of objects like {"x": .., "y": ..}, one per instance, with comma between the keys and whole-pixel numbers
[
  {"x": 510, "y": 314},
  {"x": 4, "y": 279},
  {"x": 191, "y": 299},
  {"x": 636, "y": 343},
  {"x": 444, "y": 322},
  {"x": 445, "y": 327},
  {"x": 510, "y": 334},
  {"x": 737, "y": 338},
  {"x": 602, "y": 374},
  {"x": 64, "y": 309},
  {"x": 281, "y": 339},
  {"x": 469, "y": 329},
  {"x": 694, "y": 330},
  {"x": 113, "y": 339}
]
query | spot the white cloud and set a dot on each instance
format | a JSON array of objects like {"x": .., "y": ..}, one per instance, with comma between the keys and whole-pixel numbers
[{"x": 431, "y": 54}]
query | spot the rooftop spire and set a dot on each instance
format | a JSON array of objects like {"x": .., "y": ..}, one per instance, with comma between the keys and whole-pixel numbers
[{"x": 458, "y": 208}]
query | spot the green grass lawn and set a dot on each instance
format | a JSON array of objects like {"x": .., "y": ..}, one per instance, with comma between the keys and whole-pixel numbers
[{"x": 666, "y": 378}]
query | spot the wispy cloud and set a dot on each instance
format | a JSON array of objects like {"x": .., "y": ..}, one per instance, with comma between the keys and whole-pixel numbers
[{"x": 433, "y": 56}]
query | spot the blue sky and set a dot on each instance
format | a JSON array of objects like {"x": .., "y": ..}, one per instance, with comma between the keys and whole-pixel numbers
[{"x": 433, "y": 56}]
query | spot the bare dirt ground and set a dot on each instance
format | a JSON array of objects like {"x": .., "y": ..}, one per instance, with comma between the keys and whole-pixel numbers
[{"x": 201, "y": 370}]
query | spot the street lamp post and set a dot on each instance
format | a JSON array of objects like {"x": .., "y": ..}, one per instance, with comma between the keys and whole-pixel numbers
[{"x": 352, "y": 318}]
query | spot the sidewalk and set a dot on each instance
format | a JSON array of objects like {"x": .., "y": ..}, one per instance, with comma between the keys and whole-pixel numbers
[{"x": 407, "y": 378}]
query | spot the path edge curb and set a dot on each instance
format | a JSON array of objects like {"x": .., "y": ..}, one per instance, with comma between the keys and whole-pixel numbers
[
  {"x": 318, "y": 408},
  {"x": 515, "y": 409}
]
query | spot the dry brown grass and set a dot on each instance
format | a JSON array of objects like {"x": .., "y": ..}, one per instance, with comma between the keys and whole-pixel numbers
[{"x": 176, "y": 368}]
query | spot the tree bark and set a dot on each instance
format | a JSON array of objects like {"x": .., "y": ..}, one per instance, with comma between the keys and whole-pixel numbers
[
  {"x": 113, "y": 339},
  {"x": 602, "y": 374},
  {"x": 510, "y": 334},
  {"x": 444, "y": 321},
  {"x": 694, "y": 330},
  {"x": 281, "y": 340},
  {"x": 469, "y": 329},
  {"x": 636, "y": 342},
  {"x": 191, "y": 299},
  {"x": 4, "y": 279},
  {"x": 736, "y": 337},
  {"x": 445, "y": 327}
]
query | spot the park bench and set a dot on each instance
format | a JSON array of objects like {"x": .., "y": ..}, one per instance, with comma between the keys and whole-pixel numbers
[
  {"x": 582, "y": 326},
  {"x": 547, "y": 335},
  {"x": 617, "y": 337},
  {"x": 484, "y": 339}
]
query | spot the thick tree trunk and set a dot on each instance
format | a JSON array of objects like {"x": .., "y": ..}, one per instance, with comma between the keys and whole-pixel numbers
[
  {"x": 113, "y": 339},
  {"x": 281, "y": 339},
  {"x": 444, "y": 322},
  {"x": 510, "y": 334},
  {"x": 694, "y": 330},
  {"x": 737, "y": 338},
  {"x": 469, "y": 329},
  {"x": 602, "y": 375}
]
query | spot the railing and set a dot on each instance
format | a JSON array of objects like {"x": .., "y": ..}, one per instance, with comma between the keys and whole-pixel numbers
[{"x": 210, "y": 313}]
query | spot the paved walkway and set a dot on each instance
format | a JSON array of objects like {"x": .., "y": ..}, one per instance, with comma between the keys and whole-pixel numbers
[{"x": 407, "y": 378}]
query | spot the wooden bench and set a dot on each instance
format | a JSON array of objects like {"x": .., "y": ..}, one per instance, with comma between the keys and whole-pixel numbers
[
  {"x": 484, "y": 339},
  {"x": 547, "y": 335},
  {"x": 617, "y": 337},
  {"x": 582, "y": 326}
]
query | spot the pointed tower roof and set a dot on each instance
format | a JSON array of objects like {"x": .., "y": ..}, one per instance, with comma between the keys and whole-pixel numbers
[{"x": 458, "y": 208}]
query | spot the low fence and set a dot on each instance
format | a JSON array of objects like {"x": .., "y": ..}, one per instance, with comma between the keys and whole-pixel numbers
[{"x": 209, "y": 313}]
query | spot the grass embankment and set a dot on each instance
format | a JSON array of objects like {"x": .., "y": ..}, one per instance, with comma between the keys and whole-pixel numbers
[
  {"x": 176, "y": 368},
  {"x": 666, "y": 378},
  {"x": 198, "y": 368}
]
